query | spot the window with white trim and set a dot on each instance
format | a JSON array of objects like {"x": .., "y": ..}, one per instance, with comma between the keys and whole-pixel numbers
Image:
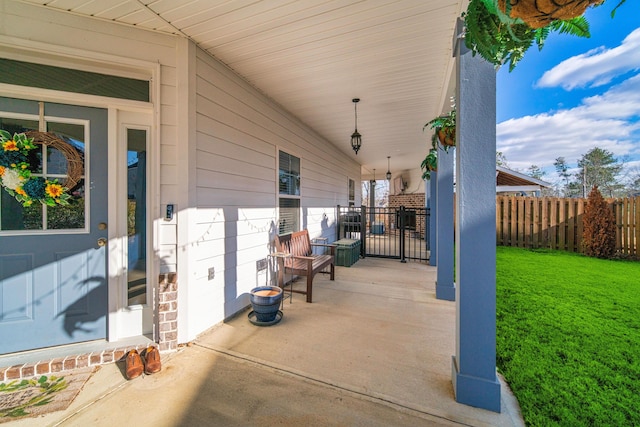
[
  {"x": 288, "y": 192},
  {"x": 47, "y": 163},
  {"x": 352, "y": 193}
]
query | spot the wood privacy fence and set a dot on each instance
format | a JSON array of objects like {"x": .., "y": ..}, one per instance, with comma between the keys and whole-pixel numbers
[{"x": 556, "y": 223}]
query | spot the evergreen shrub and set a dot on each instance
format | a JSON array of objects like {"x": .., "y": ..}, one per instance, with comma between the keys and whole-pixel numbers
[{"x": 599, "y": 232}]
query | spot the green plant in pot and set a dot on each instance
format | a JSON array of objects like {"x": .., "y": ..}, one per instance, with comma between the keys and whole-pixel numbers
[
  {"x": 444, "y": 130},
  {"x": 430, "y": 163},
  {"x": 501, "y": 32},
  {"x": 444, "y": 136}
]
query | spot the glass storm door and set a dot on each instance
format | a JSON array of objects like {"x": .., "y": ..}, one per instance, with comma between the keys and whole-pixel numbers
[
  {"x": 53, "y": 281},
  {"x": 135, "y": 314}
]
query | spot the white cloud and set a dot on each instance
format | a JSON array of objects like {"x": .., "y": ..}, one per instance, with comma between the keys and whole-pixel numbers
[
  {"x": 609, "y": 121},
  {"x": 596, "y": 67}
]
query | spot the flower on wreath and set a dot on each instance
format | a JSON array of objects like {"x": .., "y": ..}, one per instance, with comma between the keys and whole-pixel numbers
[
  {"x": 11, "y": 179},
  {"x": 17, "y": 178}
]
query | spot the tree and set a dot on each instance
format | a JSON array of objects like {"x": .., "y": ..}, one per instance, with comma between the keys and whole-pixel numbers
[
  {"x": 574, "y": 189},
  {"x": 633, "y": 182},
  {"x": 563, "y": 171},
  {"x": 381, "y": 193},
  {"x": 536, "y": 172},
  {"x": 599, "y": 168},
  {"x": 635, "y": 186},
  {"x": 599, "y": 232},
  {"x": 501, "y": 159}
]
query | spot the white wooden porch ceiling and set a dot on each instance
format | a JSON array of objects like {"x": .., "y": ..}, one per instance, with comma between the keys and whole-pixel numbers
[{"x": 313, "y": 56}]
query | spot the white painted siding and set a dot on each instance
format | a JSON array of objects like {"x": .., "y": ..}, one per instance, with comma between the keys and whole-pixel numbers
[
  {"x": 218, "y": 143},
  {"x": 94, "y": 41},
  {"x": 42, "y": 35},
  {"x": 239, "y": 133}
]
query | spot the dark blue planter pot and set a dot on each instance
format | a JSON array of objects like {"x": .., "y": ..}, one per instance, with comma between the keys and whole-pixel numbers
[{"x": 265, "y": 301}]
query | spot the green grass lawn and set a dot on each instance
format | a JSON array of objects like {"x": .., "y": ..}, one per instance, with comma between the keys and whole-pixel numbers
[{"x": 568, "y": 337}]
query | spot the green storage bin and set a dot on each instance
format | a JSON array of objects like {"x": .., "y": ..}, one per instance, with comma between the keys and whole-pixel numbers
[{"x": 347, "y": 252}]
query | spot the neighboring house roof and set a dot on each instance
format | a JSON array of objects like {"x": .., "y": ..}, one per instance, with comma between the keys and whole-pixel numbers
[{"x": 510, "y": 180}]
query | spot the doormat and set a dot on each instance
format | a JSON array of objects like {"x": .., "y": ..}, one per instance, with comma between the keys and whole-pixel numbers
[{"x": 40, "y": 395}]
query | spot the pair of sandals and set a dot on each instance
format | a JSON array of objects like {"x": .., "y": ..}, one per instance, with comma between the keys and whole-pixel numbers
[{"x": 148, "y": 362}]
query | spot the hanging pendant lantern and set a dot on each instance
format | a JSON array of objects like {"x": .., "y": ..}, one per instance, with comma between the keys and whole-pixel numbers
[
  {"x": 356, "y": 138},
  {"x": 388, "y": 169}
]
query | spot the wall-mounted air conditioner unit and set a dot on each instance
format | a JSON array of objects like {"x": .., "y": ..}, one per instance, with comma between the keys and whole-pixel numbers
[{"x": 398, "y": 185}]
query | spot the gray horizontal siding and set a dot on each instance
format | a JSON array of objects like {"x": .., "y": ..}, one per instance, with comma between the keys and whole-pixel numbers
[{"x": 239, "y": 132}]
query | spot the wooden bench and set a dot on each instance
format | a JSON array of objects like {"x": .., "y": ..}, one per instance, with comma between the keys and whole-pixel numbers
[{"x": 302, "y": 261}]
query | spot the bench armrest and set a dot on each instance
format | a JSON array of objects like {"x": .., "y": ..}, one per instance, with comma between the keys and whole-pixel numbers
[{"x": 308, "y": 260}]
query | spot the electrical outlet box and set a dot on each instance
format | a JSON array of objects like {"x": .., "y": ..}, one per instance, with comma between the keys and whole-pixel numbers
[
  {"x": 261, "y": 264},
  {"x": 212, "y": 273}
]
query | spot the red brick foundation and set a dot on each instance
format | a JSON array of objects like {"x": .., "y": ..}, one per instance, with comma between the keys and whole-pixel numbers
[
  {"x": 167, "y": 315},
  {"x": 168, "y": 312},
  {"x": 60, "y": 365}
]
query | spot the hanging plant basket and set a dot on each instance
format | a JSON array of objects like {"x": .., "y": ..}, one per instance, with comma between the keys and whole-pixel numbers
[
  {"x": 444, "y": 130},
  {"x": 430, "y": 163},
  {"x": 447, "y": 137},
  {"x": 540, "y": 13},
  {"x": 75, "y": 163}
]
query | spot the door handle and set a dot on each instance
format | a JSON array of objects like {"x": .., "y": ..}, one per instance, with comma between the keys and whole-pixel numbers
[{"x": 102, "y": 242}]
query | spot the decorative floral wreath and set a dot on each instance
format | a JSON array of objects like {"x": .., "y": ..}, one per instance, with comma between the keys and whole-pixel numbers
[{"x": 19, "y": 181}]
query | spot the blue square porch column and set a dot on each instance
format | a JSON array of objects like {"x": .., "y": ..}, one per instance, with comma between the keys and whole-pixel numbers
[
  {"x": 474, "y": 376},
  {"x": 430, "y": 187},
  {"x": 445, "y": 288}
]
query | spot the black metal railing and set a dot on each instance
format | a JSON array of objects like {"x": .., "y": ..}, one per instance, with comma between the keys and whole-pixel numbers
[{"x": 401, "y": 233}]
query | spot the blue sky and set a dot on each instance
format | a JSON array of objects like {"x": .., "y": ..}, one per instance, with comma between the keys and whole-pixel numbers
[{"x": 574, "y": 95}]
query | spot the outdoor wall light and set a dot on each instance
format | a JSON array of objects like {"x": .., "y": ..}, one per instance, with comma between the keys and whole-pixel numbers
[
  {"x": 388, "y": 169},
  {"x": 356, "y": 138},
  {"x": 373, "y": 182}
]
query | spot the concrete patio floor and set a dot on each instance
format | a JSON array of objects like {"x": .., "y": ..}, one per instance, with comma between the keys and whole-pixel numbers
[{"x": 373, "y": 349}]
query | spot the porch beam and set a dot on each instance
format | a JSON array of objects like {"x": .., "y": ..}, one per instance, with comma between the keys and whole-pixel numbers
[
  {"x": 517, "y": 188},
  {"x": 474, "y": 376}
]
